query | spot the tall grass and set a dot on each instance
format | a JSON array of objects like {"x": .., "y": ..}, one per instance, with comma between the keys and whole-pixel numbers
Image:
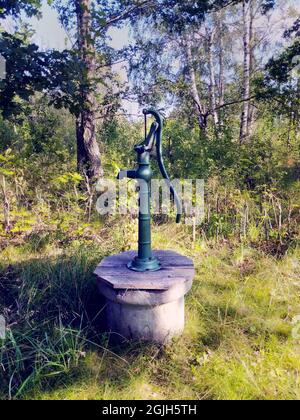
[
  {"x": 238, "y": 341},
  {"x": 50, "y": 306}
]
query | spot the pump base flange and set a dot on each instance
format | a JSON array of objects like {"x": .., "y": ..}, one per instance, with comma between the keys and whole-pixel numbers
[{"x": 144, "y": 265}]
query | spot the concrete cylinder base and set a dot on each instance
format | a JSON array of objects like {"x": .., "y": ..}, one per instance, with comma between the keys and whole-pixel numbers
[
  {"x": 157, "y": 324},
  {"x": 145, "y": 306}
]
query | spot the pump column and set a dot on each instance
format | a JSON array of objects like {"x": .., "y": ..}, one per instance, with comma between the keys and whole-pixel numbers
[
  {"x": 144, "y": 260},
  {"x": 144, "y": 251}
]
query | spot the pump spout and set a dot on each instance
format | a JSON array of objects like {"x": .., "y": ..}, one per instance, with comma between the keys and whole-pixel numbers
[{"x": 127, "y": 174}]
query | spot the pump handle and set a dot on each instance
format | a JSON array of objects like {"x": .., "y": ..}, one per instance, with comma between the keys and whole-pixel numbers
[{"x": 162, "y": 168}]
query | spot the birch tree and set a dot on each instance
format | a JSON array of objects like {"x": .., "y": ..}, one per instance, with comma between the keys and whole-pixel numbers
[
  {"x": 210, "y": 36},
  {"x": 200, "y": 107},
  {"x": 247, "y": 25}
]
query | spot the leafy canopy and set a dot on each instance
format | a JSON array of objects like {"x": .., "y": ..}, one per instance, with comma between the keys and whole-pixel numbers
[
  {"x": 15, "y": 7},
  {"x": 26, "y": 72}
]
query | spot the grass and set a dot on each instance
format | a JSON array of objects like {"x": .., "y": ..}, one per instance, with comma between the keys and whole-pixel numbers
[{"x": 238, "y": 341}]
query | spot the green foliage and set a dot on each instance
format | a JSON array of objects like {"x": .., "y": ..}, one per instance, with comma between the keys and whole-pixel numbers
[
  {"x": 280, "y": 85},
  {"x": 7, "y": 163},
  {"x": 15, "y": 7},
  {"x": 25, "y": 73},
  {"x": 8, "y": 136},
  {"x": 294, "y": 30},
  {"x": 176, "y": 15}
]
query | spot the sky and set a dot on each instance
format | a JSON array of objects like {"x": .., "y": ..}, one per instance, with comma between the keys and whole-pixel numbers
[{"x": 49, "y": 32}]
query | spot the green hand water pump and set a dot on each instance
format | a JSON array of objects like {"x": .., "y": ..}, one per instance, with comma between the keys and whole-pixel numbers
[{"x": 151, "y": 146}]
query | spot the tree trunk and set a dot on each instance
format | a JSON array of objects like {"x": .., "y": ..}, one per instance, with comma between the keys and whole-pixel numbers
[
  {"x": 6, "y": 205},
  {"x": 88, "y": 152},
  {"x": 244, "y": 130},
  {"x": 199, "y": 107},
  {"x": 252, "y": 109},
  {"x": 221, "y": 63},
  {"x": 221, "y": 75},
  {"x": 212, "y": 76}
]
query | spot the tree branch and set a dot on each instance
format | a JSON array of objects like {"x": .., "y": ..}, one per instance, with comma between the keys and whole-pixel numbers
[
  {"x": 126, "y": 13},
  {"x": 239, "y": 101}
]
